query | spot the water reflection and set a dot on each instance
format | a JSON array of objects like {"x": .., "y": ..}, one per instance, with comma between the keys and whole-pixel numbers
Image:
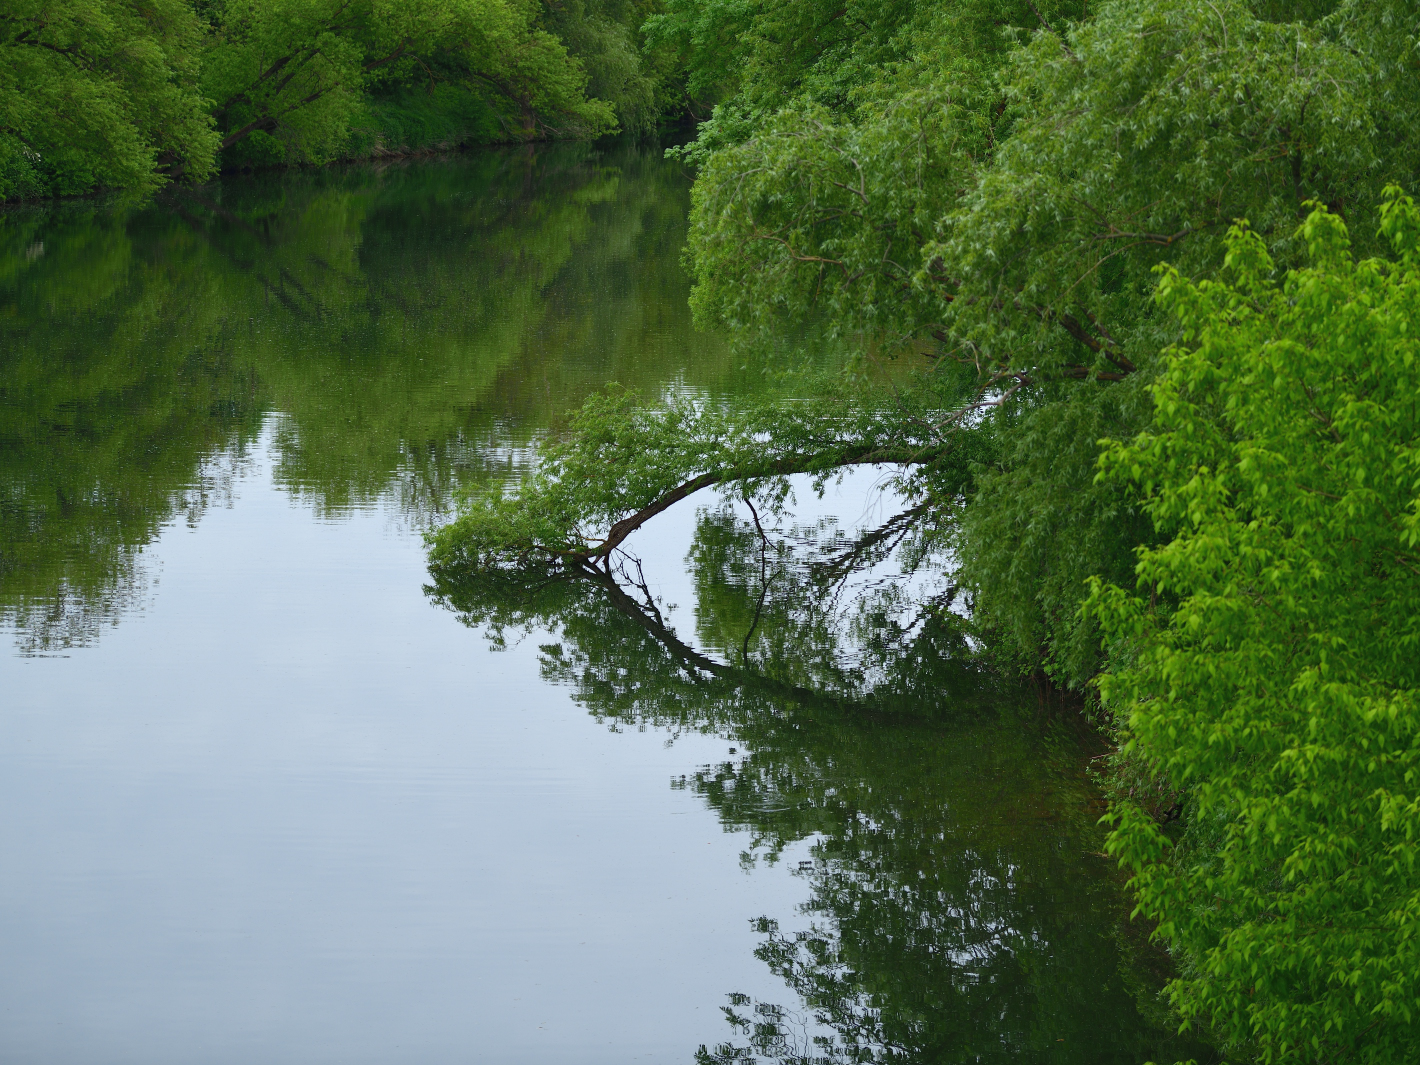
[
  {"x": 960, "y": 910},
  {"x": 388, "y": 332},
  {"x": 405, "y": 322}
]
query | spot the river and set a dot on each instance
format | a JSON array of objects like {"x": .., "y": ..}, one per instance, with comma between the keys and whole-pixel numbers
[{"x": 268, "y": 794}]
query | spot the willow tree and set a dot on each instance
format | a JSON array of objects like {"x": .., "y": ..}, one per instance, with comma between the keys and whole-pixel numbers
[
  {"x": 1003, "y": 211},
  {"x": 991, "y": 184}
]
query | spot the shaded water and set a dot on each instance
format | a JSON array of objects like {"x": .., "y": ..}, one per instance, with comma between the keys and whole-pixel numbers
[{"x": 266, "y": 796}]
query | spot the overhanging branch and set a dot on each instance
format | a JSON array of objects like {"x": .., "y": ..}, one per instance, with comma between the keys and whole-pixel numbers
[{"x": 864, "y": 455}]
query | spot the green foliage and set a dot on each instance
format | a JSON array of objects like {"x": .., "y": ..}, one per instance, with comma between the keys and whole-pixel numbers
[
  {"x": 823, "y": 180},
  {"x": 1138, "y": 137},
  {"x": 114, "y": 93},
  {"x": 994, "y": 183},
  {"x": 621, "y": 462},
  {"x": 99, "y": 93},
  {"x": 1270, "y": 660},
  {"x": 604, "y": 37},
  {"x": 298, "y": 69}
]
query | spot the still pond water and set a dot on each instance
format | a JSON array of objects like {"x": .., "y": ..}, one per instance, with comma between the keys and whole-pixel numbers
[{"x": 267, "y": 796}]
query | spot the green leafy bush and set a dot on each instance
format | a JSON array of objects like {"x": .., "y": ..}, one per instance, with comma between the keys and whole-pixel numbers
[{"x": 1269, "y": 659}]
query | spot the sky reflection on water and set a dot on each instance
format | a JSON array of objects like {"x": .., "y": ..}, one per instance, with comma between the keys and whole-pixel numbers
[{"x": 265, "y": 798}]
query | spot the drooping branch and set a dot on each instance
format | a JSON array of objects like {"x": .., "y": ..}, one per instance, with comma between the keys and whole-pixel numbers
[
  {"x": 863, "y": 455},
  {"x": 620, "y": 464},
  {"x": 264, "y": 122},
  {"x": 890, "y": 532},
  {"x": 628, "y": 525},
  {"x": 701, "y": 666}
]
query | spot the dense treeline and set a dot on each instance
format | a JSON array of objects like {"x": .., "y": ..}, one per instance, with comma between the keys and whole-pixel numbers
[
  {"x": 1173, "y": 224},
  {"x": 130, "y": 94}
]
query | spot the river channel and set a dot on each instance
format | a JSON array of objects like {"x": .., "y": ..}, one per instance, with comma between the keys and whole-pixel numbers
[{"x": 269, "y": 794}]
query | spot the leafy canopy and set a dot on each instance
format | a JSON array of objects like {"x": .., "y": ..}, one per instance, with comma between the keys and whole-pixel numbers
[
  {"x": 994, "y": 183},
  {"x": 297, "y": 70},
  {"x": 1270, "y": 657},
  {"x": 99, "y": 92}
]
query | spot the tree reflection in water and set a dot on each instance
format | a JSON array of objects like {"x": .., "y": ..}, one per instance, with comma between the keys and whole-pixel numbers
[
  {"x": 393, "y": 326},
  {"x": 960, "y": 909}
]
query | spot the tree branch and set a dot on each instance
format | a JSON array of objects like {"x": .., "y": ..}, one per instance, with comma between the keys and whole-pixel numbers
[{"x": 864, "y": 455}]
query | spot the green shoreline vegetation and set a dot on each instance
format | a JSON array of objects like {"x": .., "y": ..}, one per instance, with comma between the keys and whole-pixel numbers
[
  {"x": 133, "y": 94},
  {"x": 1155, "y": 262},
  {"x": 1148, "y": 276}
]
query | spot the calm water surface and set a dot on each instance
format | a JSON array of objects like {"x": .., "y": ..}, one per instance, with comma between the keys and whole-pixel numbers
[{"x": 267, "y": 795}]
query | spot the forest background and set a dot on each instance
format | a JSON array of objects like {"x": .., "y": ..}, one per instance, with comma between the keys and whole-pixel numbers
[
  {"x": 130, "y": 94},
  {"x": 1148, "y": 277}
]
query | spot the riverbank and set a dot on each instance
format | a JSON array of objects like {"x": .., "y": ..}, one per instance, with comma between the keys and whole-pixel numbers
[{"x": 379, "y": 142}]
